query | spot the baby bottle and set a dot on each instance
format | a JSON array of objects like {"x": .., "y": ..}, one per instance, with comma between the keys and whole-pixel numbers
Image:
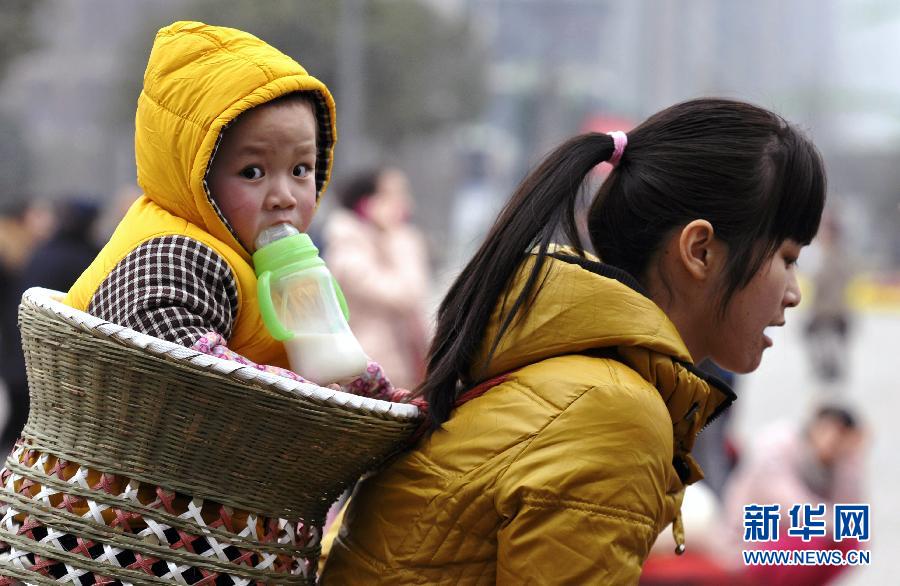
[{"x": 303, "y": 306}]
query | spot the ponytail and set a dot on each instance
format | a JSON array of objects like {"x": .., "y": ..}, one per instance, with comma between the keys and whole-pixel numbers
[{"x": 544, "y": 203}]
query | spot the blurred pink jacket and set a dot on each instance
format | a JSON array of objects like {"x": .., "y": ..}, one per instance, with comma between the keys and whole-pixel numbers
[
  {"x": 782, "y": 470},
  {"x": 385, "y": 277},
  {"x": 779, "y": 469}
]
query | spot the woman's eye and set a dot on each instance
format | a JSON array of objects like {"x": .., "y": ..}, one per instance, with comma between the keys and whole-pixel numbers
[
  {"x": 251, "y": 173},
  {"x": 301, "y": 171}
]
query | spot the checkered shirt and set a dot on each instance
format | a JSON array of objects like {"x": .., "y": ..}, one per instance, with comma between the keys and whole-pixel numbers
[{"x": 171, "y": 287}]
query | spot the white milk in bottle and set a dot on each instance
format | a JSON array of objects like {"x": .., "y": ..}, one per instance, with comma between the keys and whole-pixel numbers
[{"x": 303, "y": 307}]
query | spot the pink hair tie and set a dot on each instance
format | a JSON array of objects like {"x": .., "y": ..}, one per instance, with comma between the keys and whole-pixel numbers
[{"x": 620, "y": 139}]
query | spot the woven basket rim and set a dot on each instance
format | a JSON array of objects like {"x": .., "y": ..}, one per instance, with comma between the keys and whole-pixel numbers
[{"x": 47, "y": 301}]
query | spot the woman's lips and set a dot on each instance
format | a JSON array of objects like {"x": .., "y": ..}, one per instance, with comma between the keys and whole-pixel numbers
[{"x": 766, "y": 339}]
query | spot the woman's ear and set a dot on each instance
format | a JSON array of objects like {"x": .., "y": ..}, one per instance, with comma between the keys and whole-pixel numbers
[{"x": 698, "y": 249}]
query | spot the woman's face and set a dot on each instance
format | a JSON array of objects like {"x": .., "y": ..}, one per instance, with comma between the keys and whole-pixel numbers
[
  {"x": 391, "y": 204},
  {"x": 737, "y": 340}
]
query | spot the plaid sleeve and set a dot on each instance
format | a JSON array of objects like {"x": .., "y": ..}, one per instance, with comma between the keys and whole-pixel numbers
[{"x": 172, "y": 287}]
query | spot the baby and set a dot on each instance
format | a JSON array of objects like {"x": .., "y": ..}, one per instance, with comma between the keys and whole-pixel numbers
[{"x": 232, "y": 137}]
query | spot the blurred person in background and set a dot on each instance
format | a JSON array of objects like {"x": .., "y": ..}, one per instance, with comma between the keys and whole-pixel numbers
[
  {"x": 829, "y": 325},
  {"x": 819, "y": 462},
  {"x": 57, "y": 262},
  {"x": 381, "y": 262},
  {"x": 24, "y": 223}
]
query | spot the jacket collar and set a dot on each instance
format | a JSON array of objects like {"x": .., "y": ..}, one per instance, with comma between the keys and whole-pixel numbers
[{"x": 693, "y": 398}]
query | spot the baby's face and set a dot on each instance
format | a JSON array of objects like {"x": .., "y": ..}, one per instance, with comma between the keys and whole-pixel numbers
[{"x": 264, "y": 170}]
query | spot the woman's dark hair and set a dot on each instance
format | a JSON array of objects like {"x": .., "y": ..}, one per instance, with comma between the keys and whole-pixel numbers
[
  {"x": 840, "y": 415},
  {"x": 358, "y": 187},
  {"x": 754, "y": 177}
]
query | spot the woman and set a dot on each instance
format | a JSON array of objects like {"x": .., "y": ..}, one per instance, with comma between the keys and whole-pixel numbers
[
  {"x": 562, "y": 391},
  {"x": 381, "y": 262}
]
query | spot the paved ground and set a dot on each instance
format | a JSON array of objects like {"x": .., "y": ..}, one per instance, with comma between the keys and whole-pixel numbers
[{"x": 784, "y": 387}]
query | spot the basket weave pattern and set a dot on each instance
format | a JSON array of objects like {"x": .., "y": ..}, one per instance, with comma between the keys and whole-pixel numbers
[
  {"x": 147, "y": 462},
  {"x": 181, "y": 540}
]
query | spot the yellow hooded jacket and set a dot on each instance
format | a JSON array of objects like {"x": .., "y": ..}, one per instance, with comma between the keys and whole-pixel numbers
[
  {"x": 199, "y": 78},
  {"x": 563, "y": 474}
]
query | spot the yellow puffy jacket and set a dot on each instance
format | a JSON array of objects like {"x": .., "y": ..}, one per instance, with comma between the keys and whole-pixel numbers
[
  {"x": 199, "y": 78},
  {"x": 563, "y": 474}
]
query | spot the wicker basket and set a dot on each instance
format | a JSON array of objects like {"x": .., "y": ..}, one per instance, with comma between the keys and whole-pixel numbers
[{"x": 136, "y": 411}]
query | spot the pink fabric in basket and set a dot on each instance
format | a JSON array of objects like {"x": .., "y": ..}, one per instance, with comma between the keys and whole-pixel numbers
[{"x": 372, "y": 383}]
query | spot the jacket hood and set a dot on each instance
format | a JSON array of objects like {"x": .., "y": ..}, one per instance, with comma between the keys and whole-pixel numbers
[
  {"x": 585, "y": 306},
  {"x": 199, "y": 78}
]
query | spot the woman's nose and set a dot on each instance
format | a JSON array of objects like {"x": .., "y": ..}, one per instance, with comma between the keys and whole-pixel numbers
[{"x": 792, "y": 294}]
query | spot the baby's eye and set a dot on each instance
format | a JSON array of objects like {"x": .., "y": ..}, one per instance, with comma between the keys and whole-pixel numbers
[
  {"x": 251, "y": 172},
  {"x": 301, "y": 171}
]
